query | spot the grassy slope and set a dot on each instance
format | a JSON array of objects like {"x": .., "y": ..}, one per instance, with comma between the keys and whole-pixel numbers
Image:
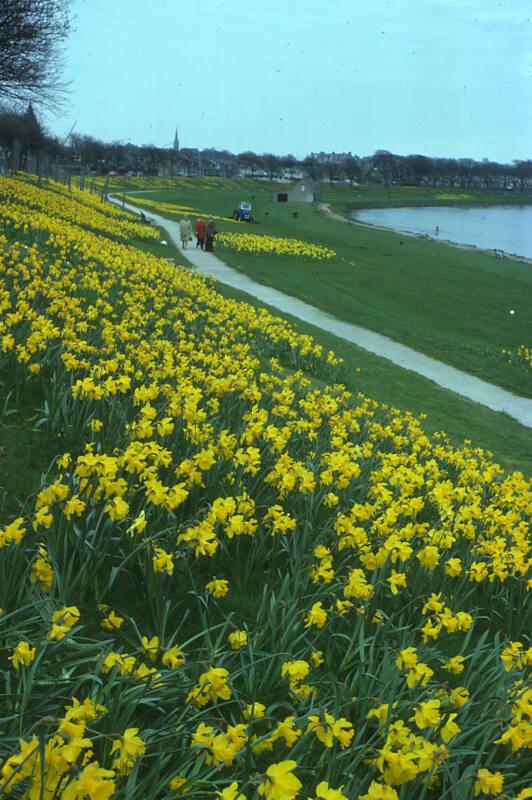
[
  {"x": 510, "y": 442},
  {"x": 450, "y": 303},
  {"x": 341, "y": 195},
  {"x": 346, "y": 197}
]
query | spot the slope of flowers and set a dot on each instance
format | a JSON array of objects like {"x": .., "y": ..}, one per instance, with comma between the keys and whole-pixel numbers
[
  {"x": 172, "y": 208},
  {"x": 252, "y": 243},
  {"x": 79, "y": 207},
  {"x": 232, "y": 583},
  {"x": 207, "y": 183}
]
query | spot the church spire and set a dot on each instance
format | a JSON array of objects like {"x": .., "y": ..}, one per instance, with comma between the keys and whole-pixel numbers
[{"x": 176, "y": 141}]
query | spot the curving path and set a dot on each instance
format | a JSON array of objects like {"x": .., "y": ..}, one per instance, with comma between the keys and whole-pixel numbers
[{"x": 493, "y": 397}]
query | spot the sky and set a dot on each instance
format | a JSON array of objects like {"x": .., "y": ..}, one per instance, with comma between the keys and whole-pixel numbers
[{"x": 450, "y": 78}]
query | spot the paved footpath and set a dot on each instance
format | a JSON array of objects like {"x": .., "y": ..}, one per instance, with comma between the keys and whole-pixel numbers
[{"x": 520, "y": 408}]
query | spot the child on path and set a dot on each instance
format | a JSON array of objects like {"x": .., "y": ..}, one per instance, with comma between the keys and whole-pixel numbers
[{"x": 185, "y": 230}]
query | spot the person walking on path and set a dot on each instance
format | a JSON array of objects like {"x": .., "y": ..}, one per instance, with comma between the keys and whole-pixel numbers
[
  {"x": 200, "y": 233},
  {"x": 185, "y": 230},
  {"x": 210, "y": 233}
]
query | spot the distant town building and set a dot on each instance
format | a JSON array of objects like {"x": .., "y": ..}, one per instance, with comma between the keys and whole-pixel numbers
[
  {"x": 326, "y": 158},
  {"x": 176, "y": 141},
  {"x": 304, "y": 191},
  {"x": 292, "y": 174}
]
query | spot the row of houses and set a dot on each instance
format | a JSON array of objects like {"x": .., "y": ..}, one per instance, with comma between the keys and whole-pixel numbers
[{"x": 201, "y": 166}]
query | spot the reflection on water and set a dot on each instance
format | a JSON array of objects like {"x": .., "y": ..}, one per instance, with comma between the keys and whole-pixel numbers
[{"x": 507, "y": 228}]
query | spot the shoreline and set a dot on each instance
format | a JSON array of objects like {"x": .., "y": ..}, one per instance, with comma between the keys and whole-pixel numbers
[{"x": 496, "y": 253}]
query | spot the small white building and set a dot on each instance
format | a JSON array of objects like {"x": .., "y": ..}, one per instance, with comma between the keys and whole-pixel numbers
[{"x": 305, "y": 190}]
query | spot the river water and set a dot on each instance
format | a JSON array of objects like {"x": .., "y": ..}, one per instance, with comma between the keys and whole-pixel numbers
[{"x": 506, "y": 228}]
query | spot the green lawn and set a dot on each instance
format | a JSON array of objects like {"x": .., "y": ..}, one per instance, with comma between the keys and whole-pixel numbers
[
  {"x": 341, "y": 195},
  {"x": 510, "y": 442},
  {"x": 450, "y": 303},
  {"x": 345, "y": 198}
]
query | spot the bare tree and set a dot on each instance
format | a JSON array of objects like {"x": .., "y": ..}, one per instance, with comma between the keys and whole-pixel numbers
[
  {"x": 465, "y": 171},
  {"x": 288, "y": 163},
  {"x": 352, "y": 168},
  {"x": 22, "y": 133},
  {"x": 312, "y": 167},
  {"x": 385, "y": 164},
  {"x": 418, "y": 167},
  {"x": 248, "y": 160},
  {"x": 272, "y": 163},
  {"x": 523, "y": 173},
  {"x": 31, "y": 32},
  {"x": 332, "y": 170},
  {"x": 11, "y": 129}
]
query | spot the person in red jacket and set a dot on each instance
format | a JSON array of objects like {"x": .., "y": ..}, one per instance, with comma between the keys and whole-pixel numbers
[{"x": 200, "y": 233}]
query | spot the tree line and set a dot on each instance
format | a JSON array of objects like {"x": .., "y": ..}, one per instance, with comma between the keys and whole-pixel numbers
[
  {"x": 31, "y": 35},
  {"x": 21, "y": 134}
]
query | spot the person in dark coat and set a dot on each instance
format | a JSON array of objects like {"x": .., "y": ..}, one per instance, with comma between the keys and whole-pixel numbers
[
  {"x": 210, "y": 233},
  {"x": 200, "y": 233}
]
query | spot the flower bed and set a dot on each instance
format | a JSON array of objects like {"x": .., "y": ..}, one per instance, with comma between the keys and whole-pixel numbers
[
  {"x": 231, "y": 582},
  {"x": 278, "y": 245}
]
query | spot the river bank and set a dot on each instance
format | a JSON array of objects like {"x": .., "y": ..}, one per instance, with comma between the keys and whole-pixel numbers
[
  {"x": 326, "y": 209},
  {"x": 504, "y": 230}
]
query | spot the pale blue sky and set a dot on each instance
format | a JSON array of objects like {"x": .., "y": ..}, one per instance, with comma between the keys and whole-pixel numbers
[{"x": 438, "y": 77}]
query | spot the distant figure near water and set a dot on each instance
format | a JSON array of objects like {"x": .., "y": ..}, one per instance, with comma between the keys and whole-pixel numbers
[
  {"x": 437, "y": 230},
  {"x": 185, "y": 230}
]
